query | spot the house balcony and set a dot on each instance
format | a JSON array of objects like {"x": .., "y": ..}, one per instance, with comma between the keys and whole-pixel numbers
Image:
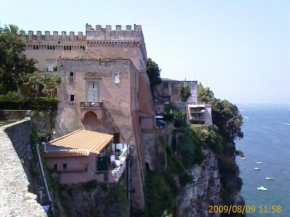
[
  {"x": 197, "y": 120},
  {"x": 91, "y": 114},
  {"x": 117, "y": 164},
  {"x": 91, "y": 105}
]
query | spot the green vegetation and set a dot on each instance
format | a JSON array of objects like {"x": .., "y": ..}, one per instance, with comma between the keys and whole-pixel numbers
[
  {"x": 153, "y": 72},
  {"x": 228, "y": 122},
  {"x": 20, "y": 85},
  {"x": 14, "y": 65},
  {"x": 174, "y": 116},
  {"x": 160, "y": 191},
  {"x": 161, "y": 188},
  {"x": 41, "y": 103},
  {"x": 204, "y": 93},
  {"x": 227, "y": 118},
  {"x": 183, "y": 93}
]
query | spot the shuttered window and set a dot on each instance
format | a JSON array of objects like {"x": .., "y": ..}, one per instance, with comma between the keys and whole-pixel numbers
[{"x": 92, "y": 91}]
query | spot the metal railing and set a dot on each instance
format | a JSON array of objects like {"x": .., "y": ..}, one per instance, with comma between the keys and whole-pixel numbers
[
  {"x": 117, "y": 172},
  {"x": 91, "y": 104}
]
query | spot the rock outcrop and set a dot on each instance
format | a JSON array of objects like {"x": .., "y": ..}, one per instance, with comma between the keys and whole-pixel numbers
[{"x": 194, "y": 198}]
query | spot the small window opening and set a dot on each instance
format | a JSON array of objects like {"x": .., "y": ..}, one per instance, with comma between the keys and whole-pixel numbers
[
  {"x": 55, "y": 167},
  {"x": 116, "y": 78},
  {"x": 71, "y": 77},
  {"x": 165, "y": 85},
  {"x": 147, "y": 166},
  {"x": 64, "y": 166},
  {"x": 71, "y": 98}
]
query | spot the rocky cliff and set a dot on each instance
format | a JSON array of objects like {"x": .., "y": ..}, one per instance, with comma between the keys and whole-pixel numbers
[
  {"x": 206, "y": 189},
  {"x": 194, "y": 198}
]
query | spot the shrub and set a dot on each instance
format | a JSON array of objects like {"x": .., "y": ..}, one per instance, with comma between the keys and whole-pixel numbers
[
  {"x": 185, "y": 178},
  {"x": 159, "y": 193},
  {"x": 41, "y": 103},
  {"x": 91, "y": 185},
  {"x": 11, "y": 95}
]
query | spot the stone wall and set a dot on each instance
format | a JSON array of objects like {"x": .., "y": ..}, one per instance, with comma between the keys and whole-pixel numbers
[
  {"x": 155, "y": 143},
  {"x": 43, "y": 121},
  {"x": 15, "y": 199},
  {"x": 12, "y": 114}
]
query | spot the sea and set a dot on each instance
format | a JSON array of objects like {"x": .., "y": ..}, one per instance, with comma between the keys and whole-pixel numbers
[{"x": 266, "y": 139}]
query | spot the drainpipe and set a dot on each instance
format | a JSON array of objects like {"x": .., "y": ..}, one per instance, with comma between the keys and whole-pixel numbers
[
  {"x": 129, "y": 183},
  {"x": 44, "y": 177}
]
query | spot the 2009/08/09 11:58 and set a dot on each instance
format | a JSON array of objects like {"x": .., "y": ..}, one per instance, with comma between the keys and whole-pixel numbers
[{"x": 244, "y": 209}]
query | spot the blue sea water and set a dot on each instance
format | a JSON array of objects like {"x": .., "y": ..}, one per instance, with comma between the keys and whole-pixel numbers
[{"x": 267, "y": 139}]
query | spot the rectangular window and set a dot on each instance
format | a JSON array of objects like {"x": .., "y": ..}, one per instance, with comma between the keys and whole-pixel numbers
[
  {"x": 50, "y": 67},
  {"x": 71, "y": 98},
  {"x": 116, "y": 78},
  {"x": 64, "y": 166},
  {"x": 165, "y": 85},
  {"x": 92, "y": 91},
  {"x": 71, "y": 77},
  {"x": 55, "y": 167}
]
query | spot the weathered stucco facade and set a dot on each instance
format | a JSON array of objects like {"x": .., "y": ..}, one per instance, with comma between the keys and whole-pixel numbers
[
  {"x": 104, "y": 87},
  {"x": 114, "y": 101}
]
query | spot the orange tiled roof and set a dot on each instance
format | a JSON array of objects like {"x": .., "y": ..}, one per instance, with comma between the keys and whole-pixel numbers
[
  {"x": 67, "y": 153},
  {"x": 84, "y": 139}
]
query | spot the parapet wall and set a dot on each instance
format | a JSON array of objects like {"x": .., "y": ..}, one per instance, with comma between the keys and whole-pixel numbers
[
  {"x": 15, "y": 199},
  {"x": 118, "y": 36},
  {"x": 54, "y": 37}
]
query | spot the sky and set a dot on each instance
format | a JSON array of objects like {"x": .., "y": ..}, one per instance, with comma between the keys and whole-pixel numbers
[{"x": 238, "y": 48}]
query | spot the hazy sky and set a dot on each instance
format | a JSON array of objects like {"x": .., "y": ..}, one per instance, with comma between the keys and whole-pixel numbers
[{"x": 239, "y": 48}]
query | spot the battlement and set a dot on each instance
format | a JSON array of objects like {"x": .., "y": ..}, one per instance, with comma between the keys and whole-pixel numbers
[
  {"x": 63, "y": 36},
  {"x": 98, "y": 36},
  {"x": 117, "y": 28},
  {"x": 119, "y": 33}
]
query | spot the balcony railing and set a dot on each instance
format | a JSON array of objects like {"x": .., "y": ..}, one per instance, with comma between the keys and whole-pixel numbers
[
  {"x": 91, "y": 104},
  {"x": 117, "y": 172},
  {"x": 119, "y": 162}
]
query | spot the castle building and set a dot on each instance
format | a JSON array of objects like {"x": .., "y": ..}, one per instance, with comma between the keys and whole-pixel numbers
[{"x": 104, "y": 88}]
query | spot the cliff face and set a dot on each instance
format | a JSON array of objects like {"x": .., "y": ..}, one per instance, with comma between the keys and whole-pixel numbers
[
  {"x": 194, "y": 198},
  {"x": 206, "y": 189}
]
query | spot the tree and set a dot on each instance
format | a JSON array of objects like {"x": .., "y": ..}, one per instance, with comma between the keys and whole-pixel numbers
[
  {"x": 227, "y": 118},
  {"x": 153, "y": 72},
  {"x": 204, "y": 93},
  {"x": 14, "y": 64},
  {"x": 183, "y": 93},
  {"x": 33, "y": 80}
]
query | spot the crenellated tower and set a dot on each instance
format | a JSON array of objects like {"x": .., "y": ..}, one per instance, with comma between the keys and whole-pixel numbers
[{"x": 109, "y": 42}]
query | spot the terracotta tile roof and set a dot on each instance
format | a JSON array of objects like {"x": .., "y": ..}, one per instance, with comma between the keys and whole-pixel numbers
[
  {"x": 67, "y": 153},
  {"x": 84, "y": 139}
]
